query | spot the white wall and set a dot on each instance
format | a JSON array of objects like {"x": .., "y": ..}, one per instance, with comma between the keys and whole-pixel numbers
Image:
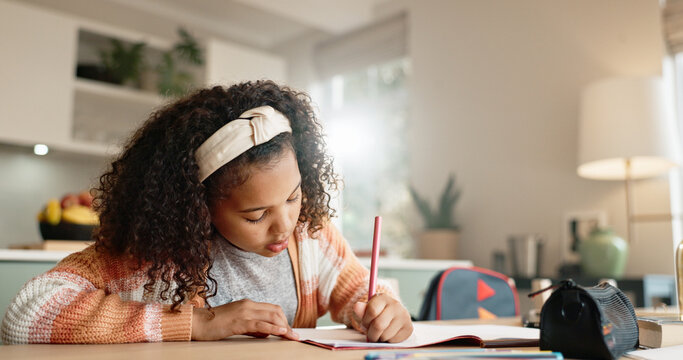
[
  {"x": 495, "y": 99},
  {"x": 27, "y": 181},
  {"x": 301, "y": 71}
]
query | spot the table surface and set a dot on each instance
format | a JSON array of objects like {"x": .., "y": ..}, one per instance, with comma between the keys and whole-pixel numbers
[{"x": 237, "y": 347}]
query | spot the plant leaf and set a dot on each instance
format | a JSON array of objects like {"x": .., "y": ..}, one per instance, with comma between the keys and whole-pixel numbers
[
  {"x": 442, "y": 217},
  {"x": 188, "y": 48},
  {"x": 422, "y": 207}
]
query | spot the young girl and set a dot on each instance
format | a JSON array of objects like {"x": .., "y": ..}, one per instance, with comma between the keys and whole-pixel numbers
[{"x": 214, "y": 221}]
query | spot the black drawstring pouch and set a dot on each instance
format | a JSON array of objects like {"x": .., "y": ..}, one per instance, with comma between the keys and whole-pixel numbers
[{"x": 588, "y": 323}]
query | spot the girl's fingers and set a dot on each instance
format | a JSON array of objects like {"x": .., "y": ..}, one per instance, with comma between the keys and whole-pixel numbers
[
  {"x": 242, "y": 317},
  {"x": 390, "y": 331},
  {"x": 399, "y": 330},
  {"x": 379, "y": 324},
  {"x": 278, "y": 316},
  {"x": 266, "y": 312},
  {"x": 404, "y": 333},
  {"x": 375, "y": 307},
  {"x": 291, "y": 335},
  {"x": 358, "y": 312},
  {"x": 386, "y": 320},
  {"x": 265, "y": 327},
  {"x": 274, "y": 316}
]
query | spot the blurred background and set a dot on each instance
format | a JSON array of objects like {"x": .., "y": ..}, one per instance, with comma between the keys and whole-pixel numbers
[{"x": 483, "y": 95}]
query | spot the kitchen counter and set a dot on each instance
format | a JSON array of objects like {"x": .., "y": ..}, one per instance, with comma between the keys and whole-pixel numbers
[
  {"x": 19, "y": 266},
  {"x": 384, "y": 263},
  {"x": 414, "y": 264},
  {"x": 411, "y": 275},
  {"x": 32, "y": 255}
]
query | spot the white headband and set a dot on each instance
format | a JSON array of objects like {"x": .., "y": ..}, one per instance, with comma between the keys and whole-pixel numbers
[{"x": 238, "y": 136}]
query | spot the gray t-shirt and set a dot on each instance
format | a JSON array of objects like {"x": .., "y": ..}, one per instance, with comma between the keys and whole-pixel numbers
[{"x": 245, "y": 275}]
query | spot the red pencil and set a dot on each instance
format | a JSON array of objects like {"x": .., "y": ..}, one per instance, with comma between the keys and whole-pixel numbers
[{"x": 375, "y": 256}]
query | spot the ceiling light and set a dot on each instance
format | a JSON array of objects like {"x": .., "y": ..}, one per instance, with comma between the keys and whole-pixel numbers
[{"x": 40, "y": 149}]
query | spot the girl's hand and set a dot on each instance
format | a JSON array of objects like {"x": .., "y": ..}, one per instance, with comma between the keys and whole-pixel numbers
[
  {"x": 243, "y": 317},
  {"x": 384, "y": 319}
]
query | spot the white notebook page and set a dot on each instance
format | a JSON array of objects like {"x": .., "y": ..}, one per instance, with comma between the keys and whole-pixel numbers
[{"x": 423, "y": 334}]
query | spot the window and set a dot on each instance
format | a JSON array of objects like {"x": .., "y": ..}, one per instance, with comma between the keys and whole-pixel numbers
[{"x": 365, "y": 114}]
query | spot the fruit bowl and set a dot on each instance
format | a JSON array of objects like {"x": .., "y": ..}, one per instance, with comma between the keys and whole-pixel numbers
[
  {"x": 66, "y": 231},
  {"x": 71, "y": 218}
]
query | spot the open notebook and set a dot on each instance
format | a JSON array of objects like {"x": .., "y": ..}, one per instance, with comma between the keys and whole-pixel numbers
[
  {"x": 423, "y": 335},
  {"x": 665, "y": 353}
]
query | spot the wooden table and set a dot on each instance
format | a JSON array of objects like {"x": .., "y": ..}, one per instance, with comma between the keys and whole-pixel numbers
[{"x": 237, "y": 347}]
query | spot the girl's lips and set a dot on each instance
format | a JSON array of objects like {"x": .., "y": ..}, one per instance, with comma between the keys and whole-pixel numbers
[{"x": 279, "y": 246}]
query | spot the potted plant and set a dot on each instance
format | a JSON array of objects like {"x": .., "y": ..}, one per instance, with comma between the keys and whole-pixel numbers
[
  {"x": 174, "y": 80},
  {"x": 439, "y": 239},
  {"x": 123, "y": 63}
]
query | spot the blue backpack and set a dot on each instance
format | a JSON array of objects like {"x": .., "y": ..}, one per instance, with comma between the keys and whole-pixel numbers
[{"x": 468, "y": 293}]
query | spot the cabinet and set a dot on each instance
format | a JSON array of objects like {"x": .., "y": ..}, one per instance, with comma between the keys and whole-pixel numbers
[
  {"x": 43, "y": 101},
  {"x": 104, "y": 114},
  {"x": 36, "y": 75}
]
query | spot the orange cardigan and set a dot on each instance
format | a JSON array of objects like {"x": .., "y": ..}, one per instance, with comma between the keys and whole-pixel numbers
[{"x": 91, "y": 297}]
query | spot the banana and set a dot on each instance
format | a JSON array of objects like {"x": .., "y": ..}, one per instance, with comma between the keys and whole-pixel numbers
[
  {"x": 41, "y": 216},
  {"x": 79, "y": 214},
  {"x": 53, "y": 212}
]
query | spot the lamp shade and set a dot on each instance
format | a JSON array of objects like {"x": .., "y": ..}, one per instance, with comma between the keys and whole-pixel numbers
[{"x": 626, "y": 119}]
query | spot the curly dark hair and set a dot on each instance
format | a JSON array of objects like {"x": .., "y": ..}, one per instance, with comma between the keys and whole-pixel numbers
[{"x": 152, "y": 205}]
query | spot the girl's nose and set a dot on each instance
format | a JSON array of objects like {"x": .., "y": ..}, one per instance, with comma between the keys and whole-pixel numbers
[{"x": 281, "y": 223}]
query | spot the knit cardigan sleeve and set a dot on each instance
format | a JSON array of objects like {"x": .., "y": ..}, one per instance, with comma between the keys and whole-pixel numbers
[
  {"x": 350, "y": 279},
  {"x": 91, "y": 298}
]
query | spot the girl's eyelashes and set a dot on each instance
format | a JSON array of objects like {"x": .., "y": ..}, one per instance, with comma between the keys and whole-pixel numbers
[
  {"x": 257, "y": 220},
  {"x": 265, "y": 213}
]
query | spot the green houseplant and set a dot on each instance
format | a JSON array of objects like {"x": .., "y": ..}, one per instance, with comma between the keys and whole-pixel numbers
[
  {"x": 123, "y": 63},
  {"x": 442, "y": 216},
  {"x": 174, "y": 79},
  {"x": 440, "y": 236}
]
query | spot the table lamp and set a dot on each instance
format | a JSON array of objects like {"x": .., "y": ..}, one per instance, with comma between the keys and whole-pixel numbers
[{"x": 627, "y": 132}]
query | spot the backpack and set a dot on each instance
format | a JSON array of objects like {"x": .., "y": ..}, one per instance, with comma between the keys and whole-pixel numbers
[{"x": 469, "y": 292}]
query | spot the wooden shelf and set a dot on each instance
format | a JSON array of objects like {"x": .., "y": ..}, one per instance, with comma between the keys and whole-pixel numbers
[
  {"x": 117, "y": 92},
  {"x": 67, "y": 147},
  {"x": 104, "y": 115},
  {"x": 86, "y": 148}
]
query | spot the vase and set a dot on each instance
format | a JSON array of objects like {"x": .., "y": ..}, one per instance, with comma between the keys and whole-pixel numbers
[
  {"x": 603, "y": 254},
  {"x": 438, "y": 244}
]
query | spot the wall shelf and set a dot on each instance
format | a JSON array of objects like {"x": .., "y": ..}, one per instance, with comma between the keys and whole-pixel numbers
[
  {"x": 44, "y": 101},
  {"x": 117, "y": 92}
]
